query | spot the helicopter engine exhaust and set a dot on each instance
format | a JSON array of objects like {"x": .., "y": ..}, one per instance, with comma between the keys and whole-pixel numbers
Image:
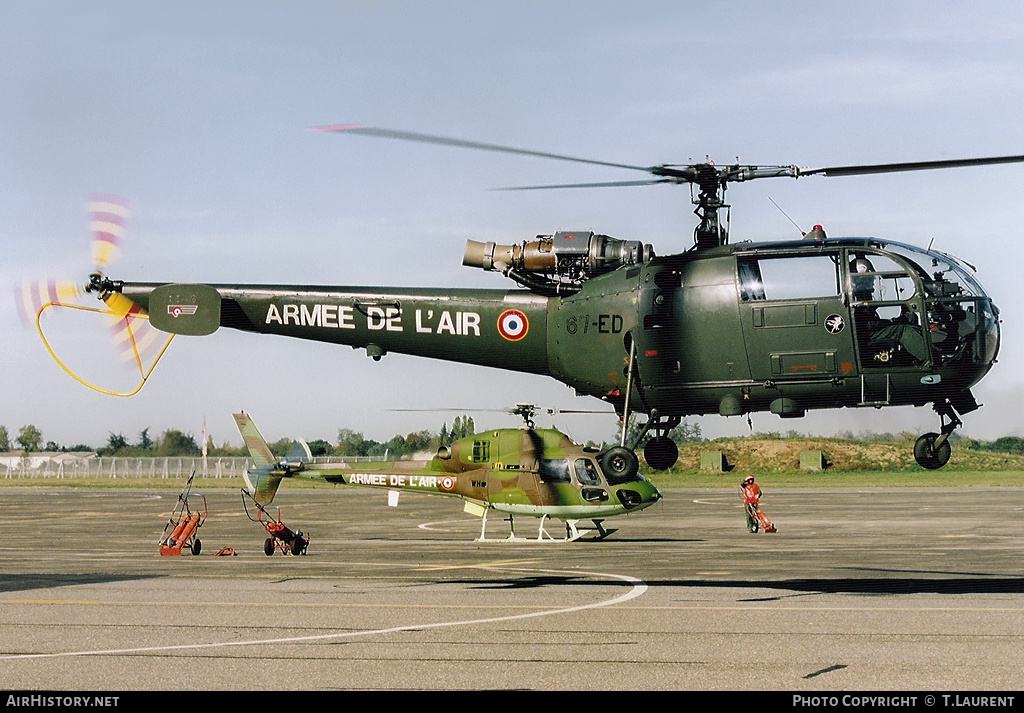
[{"x": 574, "y": 256}]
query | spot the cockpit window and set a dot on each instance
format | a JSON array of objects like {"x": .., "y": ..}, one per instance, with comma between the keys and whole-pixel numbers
[
  {"x": 877, "y": 278},
  {"x": 888, "y": 323},
  {"x": 962, "y": 324},
  {"x": 553, "y": 470},
  {"x": 942, "y": 275},
  {"x": 788, "y": 278},
  {"x": 586, "y": 472}
]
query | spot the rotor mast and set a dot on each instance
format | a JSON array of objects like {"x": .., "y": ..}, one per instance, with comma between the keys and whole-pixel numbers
[{"x": 709, "y": 232}]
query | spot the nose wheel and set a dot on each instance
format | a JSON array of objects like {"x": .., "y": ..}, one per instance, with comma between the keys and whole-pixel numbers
[
  {"x": 930, "y": 453},
  {"x": 932, "y": 450}
]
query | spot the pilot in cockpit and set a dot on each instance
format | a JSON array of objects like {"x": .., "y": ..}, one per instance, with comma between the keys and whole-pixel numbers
[{"x": 883, "y": 340}]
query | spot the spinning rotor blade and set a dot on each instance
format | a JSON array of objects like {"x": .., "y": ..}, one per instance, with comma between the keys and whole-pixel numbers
[
  {"x": 32, "y": 296},
  {"x": 107, "y": 217},
  {"x": 910, "y": 166},
  {"x": 519, "y": 410},
  {"x": 131, "y": 330},
  {"x": 701, "y": 173},
  {"x": 606, "y": 184},
  {"x": 445, "y": 141}
]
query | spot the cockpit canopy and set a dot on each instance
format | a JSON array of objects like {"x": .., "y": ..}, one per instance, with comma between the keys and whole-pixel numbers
[{"x": 586, "y": 470}]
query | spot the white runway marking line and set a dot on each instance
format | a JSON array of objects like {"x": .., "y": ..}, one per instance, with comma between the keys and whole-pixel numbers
[
  {"x": 638, "y": 589},
  {"x": 434, "y": 525}
]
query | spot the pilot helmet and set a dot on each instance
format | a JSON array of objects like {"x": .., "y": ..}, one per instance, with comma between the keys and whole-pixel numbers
[{"x": 863, "y": 285}]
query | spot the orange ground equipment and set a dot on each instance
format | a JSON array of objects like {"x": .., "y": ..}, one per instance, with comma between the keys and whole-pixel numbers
[
  {"x": 281, "y": 536},
  {"x": 184, "y": 525},
  {"x": 761, "y": 520}
]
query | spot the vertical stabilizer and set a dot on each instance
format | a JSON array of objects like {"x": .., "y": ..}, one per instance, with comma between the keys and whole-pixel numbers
[
  {"x": 262, "y": 484},
  {"x": 262, "y": 480},
  {"x": 258, "y": 448}
]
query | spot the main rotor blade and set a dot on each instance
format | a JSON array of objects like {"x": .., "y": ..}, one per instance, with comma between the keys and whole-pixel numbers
[
  {"x": 608, "y": 184},
  {"x": 445, "y": 141},
  {"x": 911, "y": 166}
]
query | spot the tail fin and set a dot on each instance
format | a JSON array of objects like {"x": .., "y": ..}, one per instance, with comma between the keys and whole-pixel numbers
[
  {"x": 263, "y": 484},
  {"x": 258, "y": 448},
  {"x": 261, "y": 480}
]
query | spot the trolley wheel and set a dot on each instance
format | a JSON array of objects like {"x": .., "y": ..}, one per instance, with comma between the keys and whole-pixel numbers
[
  {"x": 298, "y": 545},
  {"x": 268, "y": 547},
  {"x": 197, "y": 546}
]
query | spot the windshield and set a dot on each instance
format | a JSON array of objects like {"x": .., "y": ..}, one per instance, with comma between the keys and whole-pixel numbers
[
  {"x": 942, "y": 275},
  {"x": 962, "y": 324}
]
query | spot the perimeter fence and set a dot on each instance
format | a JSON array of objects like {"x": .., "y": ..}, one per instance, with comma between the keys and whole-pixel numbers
[{"x": 140, "y": 467}]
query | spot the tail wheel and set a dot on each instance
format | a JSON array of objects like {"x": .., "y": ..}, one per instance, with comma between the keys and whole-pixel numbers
[{"x": 927, "y": 455}]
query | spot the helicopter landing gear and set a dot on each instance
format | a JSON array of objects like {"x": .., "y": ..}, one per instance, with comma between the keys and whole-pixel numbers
[
  {"x": 661, "y": 453},
  {"x": 928, "y": 454},
  {"x": 932, "y": 450}
]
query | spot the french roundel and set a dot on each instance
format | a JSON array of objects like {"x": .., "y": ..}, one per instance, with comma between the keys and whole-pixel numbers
[
  {"x": 447, "y": 483},
  {"x": 513, "y": 325}
]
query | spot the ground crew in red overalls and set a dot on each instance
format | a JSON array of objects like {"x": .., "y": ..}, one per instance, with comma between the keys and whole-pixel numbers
[{"x": 751, "y": 494}]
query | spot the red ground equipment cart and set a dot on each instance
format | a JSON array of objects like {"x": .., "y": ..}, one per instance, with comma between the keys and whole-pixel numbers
[
  {"x": 281, "y": 536},
  {"x": 184, "y": 524},
  {"x": 762, "y": 520}
]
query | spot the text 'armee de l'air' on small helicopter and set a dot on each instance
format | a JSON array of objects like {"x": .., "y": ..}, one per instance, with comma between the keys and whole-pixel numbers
[
  {"x": 516, "y": 471},
  {"x": 727, "y": 328}
]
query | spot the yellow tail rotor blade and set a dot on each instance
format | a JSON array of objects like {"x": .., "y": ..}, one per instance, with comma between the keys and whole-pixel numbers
[
  {"x": 32, "y": 296},
  {"x": 108, "y": 215}
]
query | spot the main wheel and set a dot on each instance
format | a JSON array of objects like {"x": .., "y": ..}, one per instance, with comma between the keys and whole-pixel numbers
[
  {"x": 661, "y": 453},
  {"x": 620, "y": 463},
  {"x": 927, "y": 455}
]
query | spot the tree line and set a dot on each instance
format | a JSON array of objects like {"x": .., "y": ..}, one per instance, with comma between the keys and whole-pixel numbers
[{"x": 173, "y": 442}]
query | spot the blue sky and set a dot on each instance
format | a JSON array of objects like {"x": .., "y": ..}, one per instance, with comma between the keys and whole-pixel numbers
[{"x": 199, "y": 113}]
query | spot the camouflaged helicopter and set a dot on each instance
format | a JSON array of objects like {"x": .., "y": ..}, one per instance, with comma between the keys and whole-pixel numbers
[
  {"x": 786, "y": 326},
  {"x": 529, "y": 471}
]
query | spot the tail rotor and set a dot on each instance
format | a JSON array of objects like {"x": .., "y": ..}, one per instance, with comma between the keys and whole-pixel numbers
[{"x": 137, "y": 341}]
